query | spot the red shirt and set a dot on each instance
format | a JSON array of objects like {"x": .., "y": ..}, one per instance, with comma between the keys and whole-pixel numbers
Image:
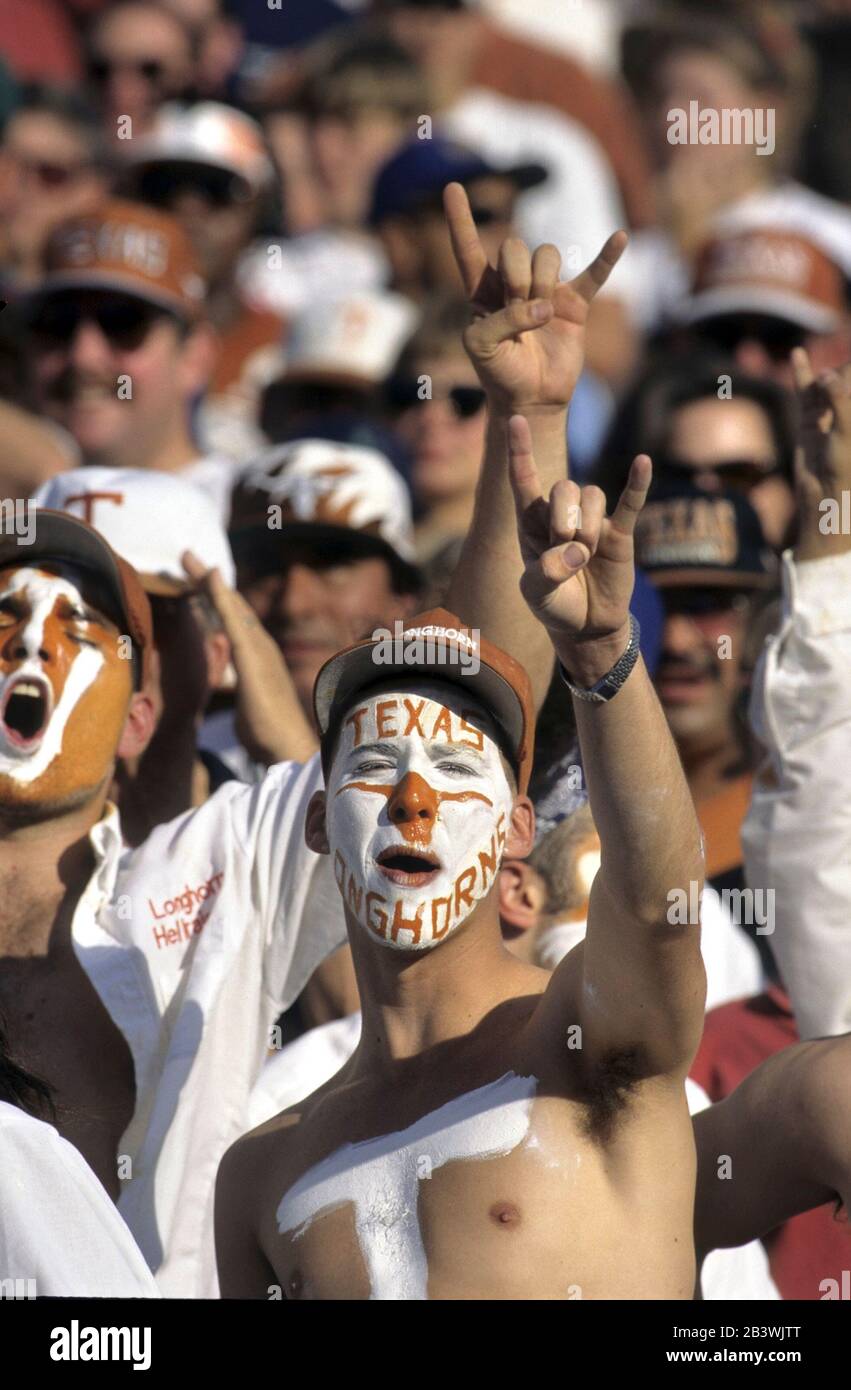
[{"x": 737, "y": 1037}]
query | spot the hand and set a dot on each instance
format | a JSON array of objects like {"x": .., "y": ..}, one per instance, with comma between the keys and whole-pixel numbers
[
  {"x": 527, "y": 342},
  {"x": 580, "y": 569},
  {"x": 822, "y": 458},
  {"x": 270, "y": 723}
]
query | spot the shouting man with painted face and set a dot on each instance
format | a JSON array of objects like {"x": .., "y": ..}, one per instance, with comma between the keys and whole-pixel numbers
[{"x": 500, "y": 1132}]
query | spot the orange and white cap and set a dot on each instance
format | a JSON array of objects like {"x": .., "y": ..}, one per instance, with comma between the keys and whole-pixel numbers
[
  {"x": 125, "y": 246},
  {"x": 766, "y": 271},
  {"x": 434, "y": 645},
  {"x": 208, "y": 133}
]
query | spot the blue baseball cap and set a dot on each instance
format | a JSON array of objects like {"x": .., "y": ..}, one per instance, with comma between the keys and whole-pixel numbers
[{"x": 421, "y": 169}]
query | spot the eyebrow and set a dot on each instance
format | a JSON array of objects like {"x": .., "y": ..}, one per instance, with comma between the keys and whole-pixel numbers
[
  {"x": 438, "y": 750},
  {"x": 362, "y": 748}
]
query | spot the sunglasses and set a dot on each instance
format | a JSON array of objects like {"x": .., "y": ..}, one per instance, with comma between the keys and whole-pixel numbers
[
  {"x": 776, "y": 336},
  {"x": 404, "y": 393},
  {"x": 100, "y": 70},
  {"x": 735, "y": 475},
  {"x": 703, "y": 602},
  {"x": 50, "y": 175},
  {"x": 124, "y": 322},
  {"x": 161, "y": 185}
]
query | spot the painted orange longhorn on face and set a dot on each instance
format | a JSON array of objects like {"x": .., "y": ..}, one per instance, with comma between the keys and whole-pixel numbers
[{"x": 412, "y": 805}]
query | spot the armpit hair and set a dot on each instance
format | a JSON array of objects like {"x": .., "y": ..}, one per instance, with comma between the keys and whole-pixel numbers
[{"x": 608, "y": 1090}]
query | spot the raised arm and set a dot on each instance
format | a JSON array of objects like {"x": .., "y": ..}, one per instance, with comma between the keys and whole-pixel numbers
[
  {"x": 643, "y": 982},
  {"x": 779, "y": 1145},
  {"x": 527, "y": 343}
]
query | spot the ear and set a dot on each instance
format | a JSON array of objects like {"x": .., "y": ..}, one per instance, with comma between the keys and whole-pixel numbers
[
  {"x": 138, "y": 727},
  {"x": 521, "y": 894},
  {"x": 315, "y": 836},
  {"x": 218, "y": 652},
  {"x": 198, "y": 359},
  {"x": 521, "y": 830}
]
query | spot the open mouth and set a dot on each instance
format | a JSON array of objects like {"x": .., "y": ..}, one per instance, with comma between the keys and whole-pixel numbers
[
  {"x": 25, "y": 712},
  {"x": 407, "y": 867}
]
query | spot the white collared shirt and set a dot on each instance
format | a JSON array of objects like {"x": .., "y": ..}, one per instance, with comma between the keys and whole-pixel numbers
[
  {"x": 797, "y": 833},
  {"x": 195, "y": 942}
]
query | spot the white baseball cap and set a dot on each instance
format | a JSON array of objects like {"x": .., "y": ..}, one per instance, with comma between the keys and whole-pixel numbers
[
  {"x": 355, "y": 340},
  {"x": 207, "y": 133},
  {"x": 324, "y": 490},
  {"x": 148, "y": 518}
]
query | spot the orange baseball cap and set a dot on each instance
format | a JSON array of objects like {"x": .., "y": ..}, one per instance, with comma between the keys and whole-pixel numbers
[
  {"x": 60, "y": 537},
  {"x": 128, "y": 247},
  {"x": 435, "y": 644},
  {"x": 767, "y": 271}
]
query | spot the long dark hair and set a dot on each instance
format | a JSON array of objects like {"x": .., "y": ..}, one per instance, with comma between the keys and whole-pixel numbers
[{"x": 19, "y": 1087}]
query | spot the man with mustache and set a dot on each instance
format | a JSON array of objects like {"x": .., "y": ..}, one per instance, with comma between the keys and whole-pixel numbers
[
  {"x": 120, "y": 345},
  {"x": 706, "y": 555},
  {"x": 499, "y": 1132}
]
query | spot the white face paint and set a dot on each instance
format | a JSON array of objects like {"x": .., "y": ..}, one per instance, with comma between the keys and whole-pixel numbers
[
  {"x": 380, "y": 1178},
  {"x": 418, "y": 809},
  {"x": 26, "y": 759}
]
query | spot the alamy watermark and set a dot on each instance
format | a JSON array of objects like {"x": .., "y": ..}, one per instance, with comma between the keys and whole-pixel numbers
[
  {"x": 729, "y": 126},
  {"x": 17, "y": 518},
  {"x": 431, "y": 645}
]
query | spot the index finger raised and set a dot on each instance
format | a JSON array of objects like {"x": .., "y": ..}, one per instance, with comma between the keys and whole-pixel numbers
[{"x": 466, "y": 244}]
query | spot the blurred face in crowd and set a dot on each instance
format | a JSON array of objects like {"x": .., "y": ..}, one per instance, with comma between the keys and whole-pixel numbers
[
  {"x": 715, "y": 83},
  {"x": 140, "y": 56},
  {"x": 698, "y": 677},
  {"x": 216, "y": 207},
  {"x": 347, "y": 148},
  {"x": 65, "y": 690},
  {"x": 324, "y": 599},
  {"x": 443, "y": 41},
  {"x": 728, "y": 445},
  {"x": 418, "y": 245},
  {"x": 52, "y": 173},
  {"x": 84, "y": 342},
  {"x": 445, "y": 432},
  {"x": 761, "y": 345}
]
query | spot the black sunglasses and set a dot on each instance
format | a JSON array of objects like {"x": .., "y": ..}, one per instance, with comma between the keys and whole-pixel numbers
[
  {"x": 160, "y": 185},
  {"x": 777, "y": 336},
  {"x": 124, "y": 321},
  {"x": 703, "y": 601},
  {"x": 403, "y": 393},
  {"x": 100, "y": 70},
  {"x": 735, "y": 475}
]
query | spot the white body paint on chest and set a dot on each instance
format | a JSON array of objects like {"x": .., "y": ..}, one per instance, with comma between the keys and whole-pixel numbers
[
  {"x": 43, "y": 590},
  {"x": 380, "y": 1178}
]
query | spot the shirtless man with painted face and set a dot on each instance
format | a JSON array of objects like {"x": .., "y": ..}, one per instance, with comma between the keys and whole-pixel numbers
[{"x": 500, "y": 1132}]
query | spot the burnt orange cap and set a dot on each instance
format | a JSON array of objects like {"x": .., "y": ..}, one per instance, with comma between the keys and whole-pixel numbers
[
  {"x": 436, "y": 645},
  {"x": 129, "y": 247}
]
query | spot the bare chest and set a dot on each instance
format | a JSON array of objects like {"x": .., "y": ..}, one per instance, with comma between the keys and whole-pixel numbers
[{"x": 496, "y": 1195}]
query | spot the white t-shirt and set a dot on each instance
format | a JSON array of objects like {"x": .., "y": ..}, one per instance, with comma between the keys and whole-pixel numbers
[
  {"x": 195, "y": 942},
  {"x": 60, "y": 1235}
]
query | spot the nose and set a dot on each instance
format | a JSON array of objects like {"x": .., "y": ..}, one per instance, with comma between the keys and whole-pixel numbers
[
  {"x": 679, "y": 636},
  {"x": 413, "y": 804},
  {"x": 89, "y": 349},
  {"x": 301, "y": 593}
]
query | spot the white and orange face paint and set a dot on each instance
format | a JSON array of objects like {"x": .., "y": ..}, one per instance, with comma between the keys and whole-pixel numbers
[
  {"x": 418, "y": 774},
  {"x": 51, "y": 652}
]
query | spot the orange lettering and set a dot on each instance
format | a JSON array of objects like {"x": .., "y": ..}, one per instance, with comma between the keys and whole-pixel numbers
[
  {"x": 436, "y": 903},
  {"x": 355, "y": 719},
  {"x": 338, "y": 859},
  {"x": 379, "y": 926},
  {"x": 383, "y": 710},
  {"x": 478, "y": 740},
  {"x": 354, "y": 895},
  {"x": 488, "y": 861},
  {"x": 414, "y": 717},
  {"x": 401, "y": 923},
  {"x": 442, "y": 722},
  {"x": 464, "y": 895}
]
